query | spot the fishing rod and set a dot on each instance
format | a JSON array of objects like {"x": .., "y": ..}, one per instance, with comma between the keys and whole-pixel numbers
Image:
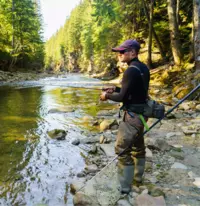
[
  {"x": 54, "y": 85},
  {"x": 167, "y": 113}
]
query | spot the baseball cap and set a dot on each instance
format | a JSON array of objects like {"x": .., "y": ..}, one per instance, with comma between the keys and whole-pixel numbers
[{"x": 128, "y": 44}]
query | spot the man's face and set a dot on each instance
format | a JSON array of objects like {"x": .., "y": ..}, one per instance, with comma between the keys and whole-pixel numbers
[{"x": 127, "y": 55}]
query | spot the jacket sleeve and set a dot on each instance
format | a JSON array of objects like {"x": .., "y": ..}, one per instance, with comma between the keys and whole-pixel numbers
[{"x": 126, "y": 81}]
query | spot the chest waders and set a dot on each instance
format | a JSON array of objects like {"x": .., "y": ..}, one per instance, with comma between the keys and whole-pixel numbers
[{"x": 131, "y": 169}]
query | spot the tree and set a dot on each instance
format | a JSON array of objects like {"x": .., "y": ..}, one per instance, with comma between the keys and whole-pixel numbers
[
  {"x": 21, "y": 32},
  {"x": 196, "y": 25},
  {"x": 174, "y": 32}
]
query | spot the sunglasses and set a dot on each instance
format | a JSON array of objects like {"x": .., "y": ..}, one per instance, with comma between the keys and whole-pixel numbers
[{"x": 124, "y": 51}]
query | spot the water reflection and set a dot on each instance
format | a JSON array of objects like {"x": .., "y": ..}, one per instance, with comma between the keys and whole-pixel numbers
[{"x": 35, "y": 169}]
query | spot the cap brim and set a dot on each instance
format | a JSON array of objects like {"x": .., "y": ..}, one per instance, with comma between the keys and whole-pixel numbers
[{"x": 118, "y": 49}]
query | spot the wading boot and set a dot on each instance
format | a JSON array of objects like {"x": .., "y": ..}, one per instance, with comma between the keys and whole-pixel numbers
[
  {"x": 139, "y": 164},
  {"x": 125, "y": 176}
]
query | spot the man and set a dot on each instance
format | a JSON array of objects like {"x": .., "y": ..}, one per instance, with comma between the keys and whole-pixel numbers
[{"x": 134, "y": 90}]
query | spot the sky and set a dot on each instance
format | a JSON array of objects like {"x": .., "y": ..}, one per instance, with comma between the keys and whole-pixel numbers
[{"x": 54, "y": 14}]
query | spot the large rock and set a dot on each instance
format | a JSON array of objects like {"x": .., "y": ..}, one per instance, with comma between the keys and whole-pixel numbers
[
  {"x": 147, "y": 200},
  {"x": 104, "y": 186},
  {"x": 108, "y": 149},
  {"x": 77, "y": 185},
  {"x": 58, "y": 134},
  {"x": 81, "y": 199},
  {"x": 107, "y": 124}
]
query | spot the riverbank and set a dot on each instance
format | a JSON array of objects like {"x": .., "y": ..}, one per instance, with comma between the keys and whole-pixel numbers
[
  {"x": 172, "y": 175},
  {"x": 171, "y": 148},
  {"x": 22, "y": 76}
]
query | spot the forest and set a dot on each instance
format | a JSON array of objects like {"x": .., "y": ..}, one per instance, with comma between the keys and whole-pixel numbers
[
  {"x": 21, "y": 41},
  {"x": 168, "y": 30}
]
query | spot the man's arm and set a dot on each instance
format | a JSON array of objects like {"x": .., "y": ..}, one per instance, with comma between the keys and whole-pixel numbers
[{"x": 126, "y": 81}]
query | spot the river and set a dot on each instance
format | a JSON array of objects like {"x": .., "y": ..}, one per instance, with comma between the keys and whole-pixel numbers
[{"x": 35, "y": 169}]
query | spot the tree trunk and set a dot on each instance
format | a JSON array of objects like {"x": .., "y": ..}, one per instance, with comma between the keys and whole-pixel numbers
[
  {"x": 159, "y": 45},
  {"x": 13, "y": 35},
  {"x": 174, "y": 32},
  {"x": 177, "y": 12},
  {"x": 196, "y": 25},
  {"x": 149, "y": 58}
]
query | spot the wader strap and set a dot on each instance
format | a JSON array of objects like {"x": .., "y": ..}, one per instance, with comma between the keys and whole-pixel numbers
[{"x": 144, "y": 122}]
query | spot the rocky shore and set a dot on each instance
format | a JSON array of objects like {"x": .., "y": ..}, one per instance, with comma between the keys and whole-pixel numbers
[
  {"x": 172, "y": 174},
  {"x": 21, "y": 76}
]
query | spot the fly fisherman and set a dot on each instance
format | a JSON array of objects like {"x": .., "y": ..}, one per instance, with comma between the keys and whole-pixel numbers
[{"x": 134, "y": 90}]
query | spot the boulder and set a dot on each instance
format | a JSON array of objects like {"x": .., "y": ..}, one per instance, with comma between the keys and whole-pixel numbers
[
  {"x": 77, "y": 185},
  {"x": 147, "y": 200},
  {"x": 81, "y": 199},
  {"x": 58, "y": 134},
  {"x": 107, "y": 124}
]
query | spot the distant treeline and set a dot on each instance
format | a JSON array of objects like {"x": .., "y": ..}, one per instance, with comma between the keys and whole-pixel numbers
[
  {"x": 167, "y": 29},
  {"x": 21, "y": 42},
  {"x": 170, "y": 28}
]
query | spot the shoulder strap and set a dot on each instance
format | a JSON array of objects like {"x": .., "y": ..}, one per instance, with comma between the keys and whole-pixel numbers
[{"x": 142, "y": 75}]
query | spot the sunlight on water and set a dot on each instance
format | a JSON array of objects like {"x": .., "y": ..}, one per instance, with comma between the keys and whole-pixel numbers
[{"x": 35, "y": 169}]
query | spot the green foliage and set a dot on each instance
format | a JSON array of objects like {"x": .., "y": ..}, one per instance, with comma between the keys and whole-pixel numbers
[
  {"x": 95, "y": 26},
  {"x": 21, "y": 32}
]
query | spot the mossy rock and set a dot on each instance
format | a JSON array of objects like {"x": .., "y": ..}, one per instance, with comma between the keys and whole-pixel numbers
[
  {"x": 58, "y": 134},
  {"x": 156, "y": 192}
]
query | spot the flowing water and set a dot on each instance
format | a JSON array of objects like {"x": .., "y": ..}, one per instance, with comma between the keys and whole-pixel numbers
[{"x": 35, "y": 169}]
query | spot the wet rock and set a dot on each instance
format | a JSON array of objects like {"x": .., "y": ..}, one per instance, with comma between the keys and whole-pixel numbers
[
  {"x": 81, "y": 174},
  {"x": 178, "y": 165},
  {"x": 58, "y": 134},
  {"x": 145, "y": 199},
  {"x": 51, "y": 111},
  {"x": 76, "y": 142},
  {"x": 107, "y": 124},
  {"x": 81, "y": 199},
  {"x": 77, "y": 185},
  {"x": 91, "y": 168}
]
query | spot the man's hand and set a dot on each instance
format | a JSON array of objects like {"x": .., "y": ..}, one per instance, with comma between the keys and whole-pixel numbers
[
  {"x": 103, "y": 96},
  {"x": 109, "y": 89}
]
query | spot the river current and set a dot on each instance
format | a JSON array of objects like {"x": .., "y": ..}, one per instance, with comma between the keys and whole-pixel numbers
[{"x": 35, "y": 169}]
